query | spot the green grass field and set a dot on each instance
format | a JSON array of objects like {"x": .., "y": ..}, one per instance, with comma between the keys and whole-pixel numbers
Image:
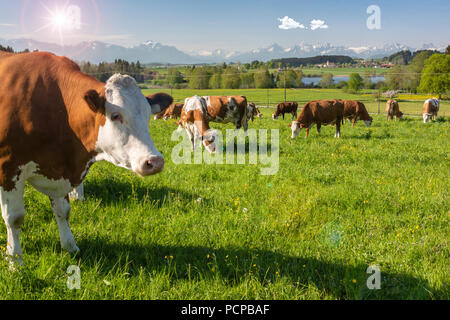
[{"x": 377, "y": 196}]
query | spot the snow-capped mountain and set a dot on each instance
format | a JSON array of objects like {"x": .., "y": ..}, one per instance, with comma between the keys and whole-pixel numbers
[
  {"x": 155, "y": 52},
  {"x": 97, "y": 51}
]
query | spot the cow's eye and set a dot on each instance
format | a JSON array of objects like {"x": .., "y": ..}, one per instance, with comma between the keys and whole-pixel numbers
[{"x": 116, "y": 117}]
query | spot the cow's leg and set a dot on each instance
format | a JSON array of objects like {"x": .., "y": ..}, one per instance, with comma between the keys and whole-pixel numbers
[
  {"x": 283, "y": 115},
  {"x": 77, "y": 193},
  {"x": 307, "y": 133},
  {"x": 319, "y": 127},
  {"x": 191, "y": 137},
  {"x": 354, "y": 120},
  {"x": 61, "y": 209},
  {"x": 13, "y": 213},
  {"x": 338, "y": 128}
]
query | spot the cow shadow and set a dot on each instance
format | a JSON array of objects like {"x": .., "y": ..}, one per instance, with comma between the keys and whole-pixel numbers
[
  {"x": 113, "y": 191},
  {"x": 234, "y": 265}
]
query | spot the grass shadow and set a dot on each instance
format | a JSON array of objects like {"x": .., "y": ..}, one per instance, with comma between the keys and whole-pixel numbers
[{"x": 235, "y": 264}]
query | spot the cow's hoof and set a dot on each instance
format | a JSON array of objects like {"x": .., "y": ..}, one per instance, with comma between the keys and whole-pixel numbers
[
  {"x": 71, "y": 248},
  {"x": 15, "y": 263}
]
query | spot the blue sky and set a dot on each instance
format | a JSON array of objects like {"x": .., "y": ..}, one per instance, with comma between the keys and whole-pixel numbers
[{"x": 231, "y": 24}]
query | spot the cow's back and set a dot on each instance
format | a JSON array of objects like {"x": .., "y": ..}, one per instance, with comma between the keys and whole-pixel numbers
[{"x": 41, "y": 108}]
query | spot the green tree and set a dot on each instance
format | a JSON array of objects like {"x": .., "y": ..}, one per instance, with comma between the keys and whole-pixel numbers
[
  {"x": 174, "y": 77},
  {"x": 215, "y": 81},
  {"x": 355, "y": 83},
  {"x": 414, "y": 70},
  {"x": 327, "y": 80},
  {"x": 436, "y": 74},
  {"x": 263, "y": 79},
  {"x": 231, "y": 78},
  {"x": 395, "y": 78},
  {"x": 247, "y": 80},
  {"x": 199, "y": 78}
]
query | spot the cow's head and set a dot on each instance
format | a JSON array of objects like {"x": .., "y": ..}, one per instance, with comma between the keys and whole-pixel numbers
[
  {"x": 369, "y": 121},
  {"x": 275, "y": 115},
  {"x": 296, "y": 128},
  {"x": 400, "y": 115},
  {"x": 210, "y": 140},
  {"x": 124, "y": 138}
]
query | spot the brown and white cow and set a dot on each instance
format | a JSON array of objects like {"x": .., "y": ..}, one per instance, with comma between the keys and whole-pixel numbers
[
  {"x": 198, "y": 112},
  {"x": 194, "y": 119},
  {"x": 320, "y": 112},
  {"x": 172, "y": 112},
  {"x": 253, "y": 111},
  {"x": 392, "y": 109},
  {"x": 355, "y": 110},
  {"x": 285, "y": 107},
  {"x": 430, "y": 109},
  {"x": 228, "y": 109},
  {"x": 55, "y": 122}
]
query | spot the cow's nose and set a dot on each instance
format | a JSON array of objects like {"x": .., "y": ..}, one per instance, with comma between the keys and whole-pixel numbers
[{"x": 151, "y": 166}]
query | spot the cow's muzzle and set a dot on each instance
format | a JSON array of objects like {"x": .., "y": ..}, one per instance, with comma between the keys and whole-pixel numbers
[{"x": 150, "y": 166}]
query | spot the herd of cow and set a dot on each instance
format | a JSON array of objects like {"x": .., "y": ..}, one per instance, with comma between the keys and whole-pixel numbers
[
  {"x": 56, "y": 121},
  {"x": 197, "y": 112}
]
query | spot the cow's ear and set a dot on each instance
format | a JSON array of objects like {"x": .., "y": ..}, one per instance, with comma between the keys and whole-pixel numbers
[
  {"x": 159, "y": 102},
  {"x": 94, "y": 100}
]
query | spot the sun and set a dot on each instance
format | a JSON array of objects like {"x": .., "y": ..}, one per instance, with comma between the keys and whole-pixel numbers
[{"x": 59, "y": 20}]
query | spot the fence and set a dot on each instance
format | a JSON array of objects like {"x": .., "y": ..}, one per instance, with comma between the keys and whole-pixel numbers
[{"x": 410, "y": 104}]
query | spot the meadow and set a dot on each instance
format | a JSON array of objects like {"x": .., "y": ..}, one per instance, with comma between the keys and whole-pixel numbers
[{"x": 377, "y": 196}]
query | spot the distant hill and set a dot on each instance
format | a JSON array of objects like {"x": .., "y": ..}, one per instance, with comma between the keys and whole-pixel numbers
[
  {"x": 404, "y": 57},
  {"x": 297, "y": 62}
]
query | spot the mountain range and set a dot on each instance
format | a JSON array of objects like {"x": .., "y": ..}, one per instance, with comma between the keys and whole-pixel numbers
[{"x": 155, "y": 52}]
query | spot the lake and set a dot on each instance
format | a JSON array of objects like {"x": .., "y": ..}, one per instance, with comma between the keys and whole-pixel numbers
[{"x": 315, "y": 80}]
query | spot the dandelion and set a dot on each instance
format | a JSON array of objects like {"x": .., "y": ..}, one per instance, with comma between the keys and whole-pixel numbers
[
  {"x": 226, "y": 256},
  {"x": 254, "y": 265},
  {"x": 277, "y": 273},
  {"x": 208, "y": 256},
  {"x": 199, "y": 200},
  {"x": 171, "y": 257},
  {"x": 354, "y": 280},
  {"x": 245, "y": 210}
]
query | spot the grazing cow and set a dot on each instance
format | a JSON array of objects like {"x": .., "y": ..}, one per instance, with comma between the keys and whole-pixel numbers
[
  {"x": 355, "y": 110},
  {"x": 286, "y": 107},
  {"x": 195, "y": 120},
  {"x": 392, "y": 109},
  {"x": 253, "y": 111},
  {"x": 430, "y": 109},
  {"x": 320, "y": 112},
  {"x": 225, "y": 109},
  {"x": 172, "y": 112},
  {"x": 55, "y": 122}
]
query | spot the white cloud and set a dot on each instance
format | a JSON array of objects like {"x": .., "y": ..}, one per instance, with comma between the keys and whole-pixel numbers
[
  {"x": 289, "y": 23},
  {"x": 318, "y": 24},
  {"x": 7, "y": 25}
]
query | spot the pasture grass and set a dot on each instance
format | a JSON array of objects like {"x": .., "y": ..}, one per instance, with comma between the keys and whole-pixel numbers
[{"x": 377, "y": 196}]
